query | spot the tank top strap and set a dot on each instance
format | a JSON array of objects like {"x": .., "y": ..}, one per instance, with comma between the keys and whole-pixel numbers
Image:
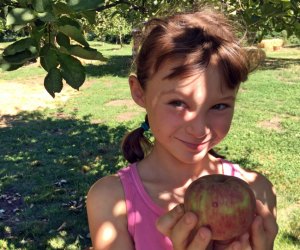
[
  {"x": 136, "y": 197},
  {"x": 128, "y": 187},
  {"x": 229, "y": 168}
]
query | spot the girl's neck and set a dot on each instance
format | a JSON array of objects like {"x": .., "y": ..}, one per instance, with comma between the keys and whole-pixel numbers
[{"x": 163, "y": 168}]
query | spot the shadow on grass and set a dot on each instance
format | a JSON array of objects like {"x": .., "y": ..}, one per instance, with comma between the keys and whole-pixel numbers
[
  {"x": 278, "y": 63},
  {"x": 115, "y": 66},
  {"x": 47, "y": 166},
  {"x": 291, "y": 238}
]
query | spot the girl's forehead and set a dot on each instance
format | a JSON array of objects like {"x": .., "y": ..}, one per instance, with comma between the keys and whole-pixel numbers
[
  {"x": 166, "y": 69},
  {"x": 210, "y": 79}
]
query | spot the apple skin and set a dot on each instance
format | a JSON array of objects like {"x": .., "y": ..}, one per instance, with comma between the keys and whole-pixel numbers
[{"x": 224, "y": 204}]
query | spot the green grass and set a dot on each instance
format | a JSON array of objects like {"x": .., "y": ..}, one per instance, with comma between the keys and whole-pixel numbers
[{"x": 49, "y": 158}]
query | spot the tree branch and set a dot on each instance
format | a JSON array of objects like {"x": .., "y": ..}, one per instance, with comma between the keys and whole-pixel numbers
[
  {"x": 134, "y": 6},
  {"x": 15, "y": 5}
]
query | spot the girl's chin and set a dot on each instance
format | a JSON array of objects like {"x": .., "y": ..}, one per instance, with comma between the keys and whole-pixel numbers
[{"x": 191, "y": 158}]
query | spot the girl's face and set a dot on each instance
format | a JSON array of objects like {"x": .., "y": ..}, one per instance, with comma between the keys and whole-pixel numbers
[{"x": 188, "y": 116}]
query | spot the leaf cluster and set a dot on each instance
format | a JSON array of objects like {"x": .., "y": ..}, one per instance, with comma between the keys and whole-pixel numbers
[{"x": 55, "y": 36}]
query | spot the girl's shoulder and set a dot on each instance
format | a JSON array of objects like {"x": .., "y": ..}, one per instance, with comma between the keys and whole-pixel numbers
[
  {"x": 261, "y": 186},
  {"x": 106, "y": 209},
  {"x": 109, "y": 187},
  {"x": 106, "y": 194}
]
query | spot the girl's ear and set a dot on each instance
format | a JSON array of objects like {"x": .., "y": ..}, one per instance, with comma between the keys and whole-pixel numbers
[{"x": 137, "y": 91}]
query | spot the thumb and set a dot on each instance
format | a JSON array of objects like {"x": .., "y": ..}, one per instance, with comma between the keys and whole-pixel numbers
[{"x": 165, "y": 223}]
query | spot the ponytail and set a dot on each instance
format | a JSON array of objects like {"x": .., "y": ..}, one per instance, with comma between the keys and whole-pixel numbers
[{"x": 136, "y": 145}]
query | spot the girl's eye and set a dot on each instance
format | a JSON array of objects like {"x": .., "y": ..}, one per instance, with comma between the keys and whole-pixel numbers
[
  {"x": 220, "y": 106},
  {"x": 178, "y": 104}
]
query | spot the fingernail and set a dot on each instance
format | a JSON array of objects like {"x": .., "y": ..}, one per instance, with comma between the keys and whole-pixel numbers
[
  {"x": 188, "y": 219},
  {"x": 179, "y": 209},
  {"x": 236, "y": 246},
  {"x": 204, "y": 233},
  {"x": 245, "y": 236}
]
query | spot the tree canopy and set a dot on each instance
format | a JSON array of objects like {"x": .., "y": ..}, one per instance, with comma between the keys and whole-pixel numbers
[{"x": 55, "y": 28}]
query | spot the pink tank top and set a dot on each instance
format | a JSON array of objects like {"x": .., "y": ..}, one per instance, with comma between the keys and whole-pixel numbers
[{"x": 142, "y": 212}]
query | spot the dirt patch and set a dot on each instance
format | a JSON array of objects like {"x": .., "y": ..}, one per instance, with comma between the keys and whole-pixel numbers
[
  {"x": 119, "y": 103},
  {"x": 30, "y": 95},
  {"x": 127, "y": 116},
  {"x": 272, "y": 124},
  {"x": 16, "y": 97}
]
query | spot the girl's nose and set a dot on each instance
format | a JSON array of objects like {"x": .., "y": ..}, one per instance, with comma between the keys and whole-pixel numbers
[{"x": 197, "y": 127}]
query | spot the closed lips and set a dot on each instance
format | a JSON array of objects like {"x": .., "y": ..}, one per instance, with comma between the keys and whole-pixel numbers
[{"x": 197, "y": 145}]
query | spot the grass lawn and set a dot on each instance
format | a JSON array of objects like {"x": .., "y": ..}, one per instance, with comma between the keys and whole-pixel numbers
[{"x": 50, "y": 157}]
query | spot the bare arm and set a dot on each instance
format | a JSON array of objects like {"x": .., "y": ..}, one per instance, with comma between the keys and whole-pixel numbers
[
  {"x": 107, "y": 217},
  {"x": 264, "y": 228},
  {"x": 263, "y": 189}
]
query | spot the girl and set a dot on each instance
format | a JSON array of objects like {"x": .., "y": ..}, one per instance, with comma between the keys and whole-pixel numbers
[{"x": 188, "y": 71}]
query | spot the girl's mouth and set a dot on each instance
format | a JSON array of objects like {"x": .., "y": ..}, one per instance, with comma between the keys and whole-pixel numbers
[{"x": 196, "y": 146}]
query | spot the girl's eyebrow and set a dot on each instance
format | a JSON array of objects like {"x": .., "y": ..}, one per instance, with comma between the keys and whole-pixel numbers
[
  {"x": 228, "y": 98},
  {"x": 170, "y": 91}
]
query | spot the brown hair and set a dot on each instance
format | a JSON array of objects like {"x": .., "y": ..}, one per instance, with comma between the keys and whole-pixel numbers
[{"x": 194, "y": 38}]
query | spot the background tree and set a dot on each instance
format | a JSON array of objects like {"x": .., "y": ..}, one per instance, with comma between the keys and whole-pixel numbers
[
  {"x": 110, "y": 26},
  {"x": 55, "y": 35}
]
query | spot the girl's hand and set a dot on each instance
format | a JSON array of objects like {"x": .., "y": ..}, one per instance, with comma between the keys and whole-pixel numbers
[
  {"x": 178, "y": 226},
  {"x": 264, "y": 228}
]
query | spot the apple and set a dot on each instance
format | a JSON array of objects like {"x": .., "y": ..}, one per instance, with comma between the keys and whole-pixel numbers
[{"x": 224, "y": 204}]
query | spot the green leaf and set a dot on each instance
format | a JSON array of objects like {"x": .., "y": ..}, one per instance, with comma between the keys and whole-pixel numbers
[
  {"x": 64, "y": 20},
  {"x": 90, "y": 16},
  {"x": 63, "y": 50},
  {"x": 20, "y": 57},
  {"x": 19, "y": 46},
  {"x": 41, "y": 5},
  {"x": 6, "y": 66},
  {"x": 72, "y": 70},
  {"x": 60, "y": 8},
  {"x": 23, "y": 3},
  {"x": 46, "y": 16},
  {"x": 86, "y": 53},
  {"x": 74, "y": 33},
  {"x": 38, "y": 31},
  {"x": 19, "y": 16},
  {"x": 53, "y": 82},
  {"x": 269, "y": 9},
  {"x": 63, "y": 40},
  {"x": 297, "y": 29},
  {"x": 48, "y": 57},
  {"x": 17, "y": 28},
  {"x": 72, "y": 29},
  {"x": 83, "y": 5}
]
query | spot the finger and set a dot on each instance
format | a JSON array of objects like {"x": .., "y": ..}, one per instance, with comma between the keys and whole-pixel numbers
[
  {"x": 259, "y": 236},
  {"x": 166, "y": 222},
  {"x": 235, "y": 246},
  {"x": 201, "y": 239},
  {"x": 269, "y": 221},
  {"x": 240, "y": 243},
  {"x": 181, "y": 232},
  {"x": 245, "y": 242}
]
